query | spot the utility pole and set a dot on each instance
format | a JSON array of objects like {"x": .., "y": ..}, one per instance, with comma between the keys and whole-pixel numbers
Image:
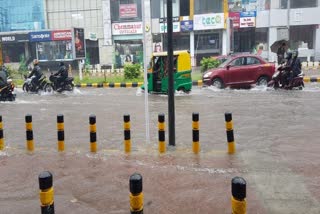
[{"x": 171, "y": 107}]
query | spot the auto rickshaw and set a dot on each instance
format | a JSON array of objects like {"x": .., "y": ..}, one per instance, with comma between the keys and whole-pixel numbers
[{"x": 158, "y": 72}]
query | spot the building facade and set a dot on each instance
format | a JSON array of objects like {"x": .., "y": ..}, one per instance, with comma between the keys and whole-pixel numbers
[{"x": 115, "y": 32}]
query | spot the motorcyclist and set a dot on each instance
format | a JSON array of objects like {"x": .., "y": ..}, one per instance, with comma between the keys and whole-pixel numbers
[
  {"x": 295, "y": 66},
  {"x": 61, "y": 75},
  {"x": 286, "y": 68},
  {"x": 36, "y": 72}
]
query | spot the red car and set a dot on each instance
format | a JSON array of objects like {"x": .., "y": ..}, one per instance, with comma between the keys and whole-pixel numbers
[{"x": 240, "y": 71}]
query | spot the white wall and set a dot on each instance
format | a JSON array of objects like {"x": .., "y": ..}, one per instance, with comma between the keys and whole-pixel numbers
[{"x": 305, "y": 16}]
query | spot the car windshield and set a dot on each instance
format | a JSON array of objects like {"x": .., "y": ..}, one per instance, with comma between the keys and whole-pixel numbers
[{"x": 222, "y": 65}]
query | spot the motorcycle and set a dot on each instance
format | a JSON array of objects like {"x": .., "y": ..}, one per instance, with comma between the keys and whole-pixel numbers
[
  {"x": 66, "y": 85},
  {"x": 43, "y": 85},
  {"x": 279, "y": 80},
  {"x": 7, "y": 92}
]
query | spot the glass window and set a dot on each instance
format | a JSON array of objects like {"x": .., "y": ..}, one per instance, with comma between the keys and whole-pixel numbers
[
  {"x": 128, "y": 52},
  {"x": 303, "y": 3},
  {"x": 180, "y": 42},
  {"x": 126, "y": 10},
  {"x": 208, "y": 6},
  {"x": 207, "y": 41},
  {"x": 252, "y": 61},
  {"x": 155, "y": 9},
  {"x": 298, "y": 3},
  {"x": 238, "y": 62},
  {"x": 55, "y": 50},
  {"x": 300, "y": 39},
  {"x": 13, "y": 52},
  {"x": 184, "y": 7},
  {"x": 175, "y": 8}
]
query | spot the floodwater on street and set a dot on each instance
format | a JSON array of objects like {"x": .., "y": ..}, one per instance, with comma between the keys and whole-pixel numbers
[{"x": 277, "y": 151}]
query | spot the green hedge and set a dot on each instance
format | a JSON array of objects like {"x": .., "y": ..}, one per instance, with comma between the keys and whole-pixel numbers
[
  {"x": 132, "y": 71},
  {"x": 208, "y": 63}
]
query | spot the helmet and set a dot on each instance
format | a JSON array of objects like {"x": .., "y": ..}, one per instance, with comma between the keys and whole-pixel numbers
[
  {"x": 295, "y": 53},
  {"x": 35, "y": 62},
  {"x": 61, "y": 63},
  {"x": 289, "y": 55}
]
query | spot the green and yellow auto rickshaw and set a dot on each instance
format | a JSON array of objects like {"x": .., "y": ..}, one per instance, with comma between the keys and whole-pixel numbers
[{"x": 158, "y": 72}]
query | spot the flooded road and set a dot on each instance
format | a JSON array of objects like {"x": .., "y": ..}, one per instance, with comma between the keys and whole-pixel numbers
[{"x": 276, "y": 134}]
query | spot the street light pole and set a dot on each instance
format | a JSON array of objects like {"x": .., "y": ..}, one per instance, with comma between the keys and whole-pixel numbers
[
  {"x": 171, "y": 107},
  {"x": 145, "y": 71}
]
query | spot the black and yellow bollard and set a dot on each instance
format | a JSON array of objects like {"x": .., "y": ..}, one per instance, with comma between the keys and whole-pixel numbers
[
  {"x": 162, "y": 134},
  {"x": 1, "y": 135},
  {"x": 230, "y": 136},
  {"x": 195, "y": 133},
  {"x": 29, "y": 133},
  {"x": 238, "y": 200},
  {"x": 93, "y": 133},
  {"x": 127, "y": 133},
  {"x": 60, "y": 128},
  {"x": 46, "y": 193},
  {"x": 136, "y": 195}
]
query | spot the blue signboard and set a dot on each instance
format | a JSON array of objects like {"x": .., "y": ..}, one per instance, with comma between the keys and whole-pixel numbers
[
  {"x": 248, "y": 14},
  {"x": 41, "y": 36},
  {"x": 186, "y": 25}
]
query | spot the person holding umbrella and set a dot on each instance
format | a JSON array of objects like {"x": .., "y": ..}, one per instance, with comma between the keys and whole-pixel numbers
[{"x": 280, "y": 53}]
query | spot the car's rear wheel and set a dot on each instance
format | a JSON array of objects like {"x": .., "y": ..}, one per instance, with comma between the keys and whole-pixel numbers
[
  {"x": 262, "y": 81},
  {"x": 217, "y": 83}
]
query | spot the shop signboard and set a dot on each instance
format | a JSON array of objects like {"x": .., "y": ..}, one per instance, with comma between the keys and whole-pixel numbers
[
  {"x": 164, "y": 28},
  {"x": 61, "y": 35},
  {"x": 186, "y": 26},
  {"x": 79, "y": 46},
  {"x": 41, "y": 36},
  {"x": 247, "y": 19},
  {"x": 235, "y": 17},
  {"x": 127, "y": 28},
  {"x": 209, "y": 21},
  {"x": 14, "y": 38},
  {"x": 128, "y": 11}
]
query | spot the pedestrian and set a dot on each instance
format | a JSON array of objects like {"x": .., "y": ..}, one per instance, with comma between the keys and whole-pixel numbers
[{"x": 280, "y": 53}]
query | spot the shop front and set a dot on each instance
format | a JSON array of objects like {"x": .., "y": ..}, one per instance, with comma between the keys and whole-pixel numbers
[
  {"x": 127, "y": 40},
  {"x": 52, "y": 45},
  {"x": 14, "y": 47},
  {"x": 208, "y": 32}
]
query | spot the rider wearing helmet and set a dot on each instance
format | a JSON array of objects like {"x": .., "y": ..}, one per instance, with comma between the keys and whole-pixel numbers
[
  {"x": 36, "y": 72},
  {"x": 61, "y": 75}
]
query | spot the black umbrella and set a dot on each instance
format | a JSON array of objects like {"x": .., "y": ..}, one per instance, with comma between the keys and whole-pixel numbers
[{"x": 275, "y": 46}]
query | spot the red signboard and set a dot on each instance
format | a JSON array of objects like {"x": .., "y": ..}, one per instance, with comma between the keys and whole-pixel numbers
[
  {"x": 235, "y": 17},
  {"x": 61, "y": 35},
  {"x": 128, "y": 11}
]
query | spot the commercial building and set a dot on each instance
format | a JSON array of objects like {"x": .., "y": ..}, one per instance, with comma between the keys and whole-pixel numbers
[{"x": 114, "y": 28}]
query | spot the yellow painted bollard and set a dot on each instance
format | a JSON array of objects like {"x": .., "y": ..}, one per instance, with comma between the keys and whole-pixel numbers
[
  {"x": 238, "y": 200},
  {"x": 127, "y": 133},
  {"x": 230, "y": 136},
  {"x": 29, "y": 133},
  {"x": 60, "y": 128},
  {"x": 195, "y": 133},
  {"x": 93, "y": 133},
  {"x": 136, "y": 195},
  {"x": 162, "y": 133},
  {"x": 1, "y": 135},
  {"x": 46, "y": 193}
]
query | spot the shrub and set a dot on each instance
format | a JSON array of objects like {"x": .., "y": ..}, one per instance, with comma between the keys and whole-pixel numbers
[
  {"x": 132, "y": 71},
  {"x": 208, "y": 63}
]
